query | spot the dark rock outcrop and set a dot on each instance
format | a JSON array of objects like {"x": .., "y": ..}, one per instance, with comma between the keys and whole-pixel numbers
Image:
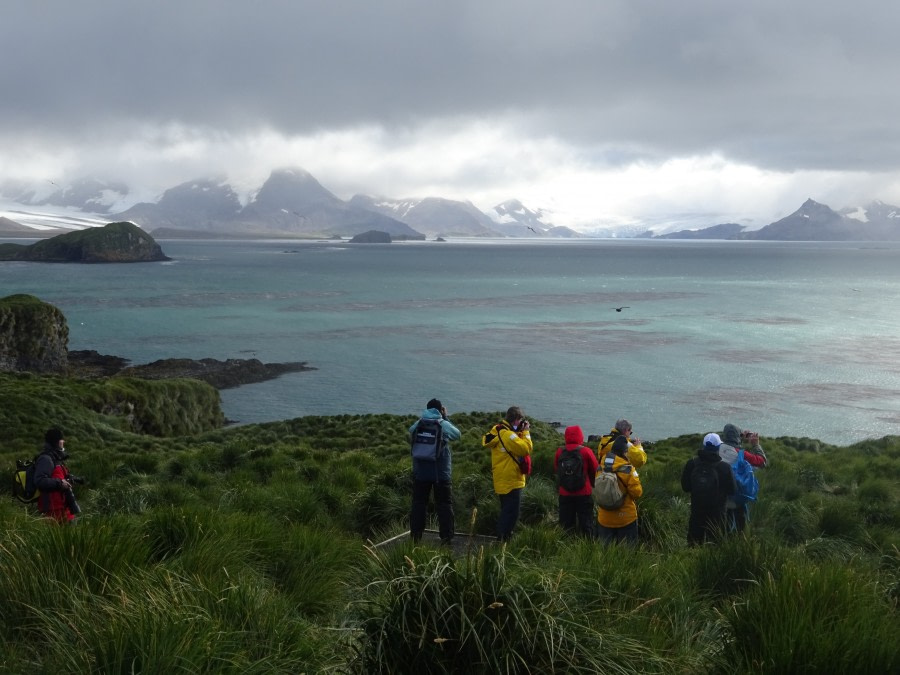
[
  {"x": 34, "y": 338},
  {"x": 220, "y": 374},
  {"x": 115, "y": 242},
  {"x": 721, "y": 231},
  {"x": 34, "y": 335},
  {"x": 372, "y": 237}
]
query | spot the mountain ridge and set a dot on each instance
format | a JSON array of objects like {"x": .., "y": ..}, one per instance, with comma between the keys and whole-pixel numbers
[{"x": 292, "y": 203}]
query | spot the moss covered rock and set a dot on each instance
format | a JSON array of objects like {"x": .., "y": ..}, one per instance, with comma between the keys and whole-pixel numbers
[{"x": 34, "y": 335}]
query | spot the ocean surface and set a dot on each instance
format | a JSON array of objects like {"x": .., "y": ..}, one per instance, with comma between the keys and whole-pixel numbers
[{"x": 795, "y": 339}]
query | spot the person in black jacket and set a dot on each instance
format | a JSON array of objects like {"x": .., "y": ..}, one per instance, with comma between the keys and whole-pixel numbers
[
  {"x": 710, "y": 482},
  {"x": 52, "y": 478}
]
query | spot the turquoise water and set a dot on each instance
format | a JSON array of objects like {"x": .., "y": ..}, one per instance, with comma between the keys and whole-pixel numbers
[{"x": 792, "y": 339}]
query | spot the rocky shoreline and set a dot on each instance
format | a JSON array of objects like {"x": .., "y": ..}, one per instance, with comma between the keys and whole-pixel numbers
[{"x": 225, "y": 374}]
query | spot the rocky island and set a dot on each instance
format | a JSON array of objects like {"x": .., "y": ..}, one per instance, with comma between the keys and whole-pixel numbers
[
  {"x": 34, "y": 338},
  {"x": 121, "y": 242}
]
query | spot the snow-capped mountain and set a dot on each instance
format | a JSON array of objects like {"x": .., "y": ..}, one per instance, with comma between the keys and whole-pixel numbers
[
  {"x": 432, "y": 216},
  {"x": 84, "y": 194},
  {"x": 293, "y": 203},
  {"x": 817, "y": 222},
  {"x": 290, "y": 203}
]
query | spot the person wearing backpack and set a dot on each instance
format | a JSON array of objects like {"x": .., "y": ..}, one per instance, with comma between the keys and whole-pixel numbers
[
  {"x": 731, "y": 453},
  {"x": 636, "y": 455},
  {"x": 710, "y": 482},
  {"x": 576, "y": 468},
  {"x": 432, "y": 470},
  {"x": 620, "y": 523},
  {"x": 511, "y": 447},
  {"x": 52, "y": 478}
]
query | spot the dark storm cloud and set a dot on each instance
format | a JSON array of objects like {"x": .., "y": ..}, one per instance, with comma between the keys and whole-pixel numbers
[{"x": 783, "y": 85}]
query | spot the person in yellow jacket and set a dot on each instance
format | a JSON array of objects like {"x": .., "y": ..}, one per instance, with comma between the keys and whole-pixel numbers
[
  {"x": 621, "y": 524},
  {"x": 636, "y": 454},
  {"x": 511, "y": 446}
]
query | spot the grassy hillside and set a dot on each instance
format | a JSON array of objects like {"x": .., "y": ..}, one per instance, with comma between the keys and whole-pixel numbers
[{"x": 243, "y": 550}]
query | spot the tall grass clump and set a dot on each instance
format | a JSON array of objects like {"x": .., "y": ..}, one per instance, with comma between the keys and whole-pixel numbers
[
  {"x": 814, "y": 619},
  {"x": 160, "y": 621},
  {"x": 735, "y": 564},
  {"x": 438, "y": 615},
  {"x": 44, "y": 565}
]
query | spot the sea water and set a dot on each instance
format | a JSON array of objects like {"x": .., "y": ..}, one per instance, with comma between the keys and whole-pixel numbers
[{"x": 798, "y": 339}]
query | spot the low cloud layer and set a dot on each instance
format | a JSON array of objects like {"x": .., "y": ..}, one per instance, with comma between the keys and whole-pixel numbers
[{"x": 694, "y": 112}]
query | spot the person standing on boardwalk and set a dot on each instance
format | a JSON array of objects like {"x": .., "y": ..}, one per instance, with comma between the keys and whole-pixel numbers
[
  {"x": 511, "y": 447},
  {"x": 576, "y": 469},
  {"x": 710, "y": 482},
  {"x": 433, "y": 471}
]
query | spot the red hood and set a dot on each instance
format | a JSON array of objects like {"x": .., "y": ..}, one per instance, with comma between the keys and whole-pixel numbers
[{"x": 574, "y": 436}]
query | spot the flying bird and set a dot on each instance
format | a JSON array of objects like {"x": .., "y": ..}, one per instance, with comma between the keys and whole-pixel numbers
[
  {"x": 532, "y": 229},
  {"x": 619, "y": 309}
]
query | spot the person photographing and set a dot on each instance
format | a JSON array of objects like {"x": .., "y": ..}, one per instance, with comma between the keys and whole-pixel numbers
[{"x": 52, "y": 478}]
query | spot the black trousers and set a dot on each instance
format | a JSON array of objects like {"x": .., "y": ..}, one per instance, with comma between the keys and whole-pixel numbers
[
  {"x": 580, "y": 509},
  {"x": 510, "y": 504},
  {"x": 706, "y": 525},
  {"x": 443, "y": 501}
]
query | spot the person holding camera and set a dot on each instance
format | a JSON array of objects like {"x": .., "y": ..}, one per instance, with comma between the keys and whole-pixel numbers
[
  {"x": 733, "y": 443},
  {"x": 433, "y": 474},
  {"x": 635, "y": 454},
  {"x": 511, "y": 447},
  {"x": 52, "y": 478}
]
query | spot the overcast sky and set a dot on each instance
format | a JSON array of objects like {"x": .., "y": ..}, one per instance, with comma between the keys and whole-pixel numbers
[{"x": 599, "y": 111}]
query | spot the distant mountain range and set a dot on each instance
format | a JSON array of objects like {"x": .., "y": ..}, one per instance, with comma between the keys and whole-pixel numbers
[
  {"x": 292, "y": 203},
  {"x": 812, "y": 222}
]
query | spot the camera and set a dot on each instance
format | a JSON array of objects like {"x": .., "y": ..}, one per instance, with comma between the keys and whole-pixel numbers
[{"x": 71, "y": 503}]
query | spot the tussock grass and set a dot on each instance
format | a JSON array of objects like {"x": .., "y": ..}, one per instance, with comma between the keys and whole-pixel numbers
[
  {"x": 243, "y": 550},
  {"x": 438, "y": 615},
  {"x": 814, "y": 619}
]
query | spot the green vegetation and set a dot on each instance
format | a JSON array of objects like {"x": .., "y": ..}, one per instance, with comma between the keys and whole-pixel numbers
[
  {"x": 114, "y": 242},
  {"x": 243, "y": 550}
]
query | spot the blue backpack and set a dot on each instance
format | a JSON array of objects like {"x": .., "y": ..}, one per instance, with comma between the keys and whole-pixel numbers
[{"x": 745, "y": 483}]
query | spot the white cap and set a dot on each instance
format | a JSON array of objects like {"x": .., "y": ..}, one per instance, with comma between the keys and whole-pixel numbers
[{"x": 712, "y": 439}]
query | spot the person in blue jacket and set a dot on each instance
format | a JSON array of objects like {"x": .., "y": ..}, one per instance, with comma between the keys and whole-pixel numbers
[{"x": 435, "y": 475}]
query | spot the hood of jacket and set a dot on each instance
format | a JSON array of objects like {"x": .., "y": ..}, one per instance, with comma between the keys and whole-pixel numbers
[
  {"x": 58, "y": 454},
  {"x": 432, "y": 414},
  {"x": 731, "y": 435},
  {"x": 709, "y": 453},
  {"x": 574, "y": 436},
  {"x": 491, "y": 438}
]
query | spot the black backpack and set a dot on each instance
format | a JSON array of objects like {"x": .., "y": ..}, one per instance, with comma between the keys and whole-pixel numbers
[
  {"x": 427, "y": 440},
  {"x": 705, "y": 483},
  {"x": 570, "y": 470}
]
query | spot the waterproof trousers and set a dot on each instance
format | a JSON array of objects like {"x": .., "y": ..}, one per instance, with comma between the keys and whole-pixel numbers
[
  {"x": 509, "y": 513},
  {"x": 443, "y": 502},
  {"x": 580, "y": 509}
]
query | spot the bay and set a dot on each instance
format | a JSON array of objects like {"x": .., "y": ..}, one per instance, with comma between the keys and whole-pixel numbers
[{"x": 785, "y": 338}]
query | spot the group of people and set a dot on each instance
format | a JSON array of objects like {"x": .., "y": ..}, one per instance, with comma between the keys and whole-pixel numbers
[{"x": 707, "y": 477}]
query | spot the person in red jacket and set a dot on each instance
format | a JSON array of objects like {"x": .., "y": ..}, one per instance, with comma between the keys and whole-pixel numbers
[
  {"x": 575, "y": 504},
  {"x": 52, "y": 478}
]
